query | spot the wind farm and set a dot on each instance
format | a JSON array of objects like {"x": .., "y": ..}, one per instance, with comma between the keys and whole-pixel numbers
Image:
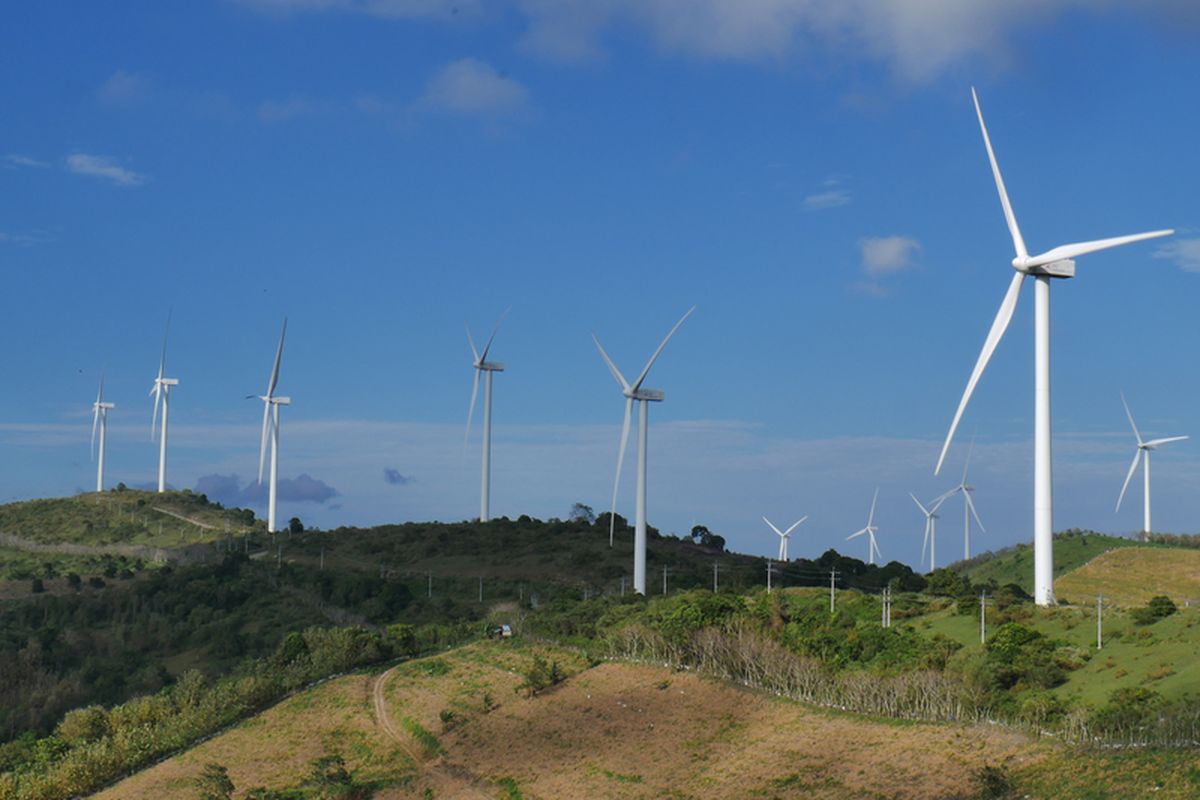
[{"x": 782, "y": 215}]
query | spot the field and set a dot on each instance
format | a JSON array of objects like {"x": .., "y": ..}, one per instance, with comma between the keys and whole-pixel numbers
[
  {"x": 1072, "y": 549},
  {"x": 1131, "y": 576},
  {"x": 455, "y": 726}
]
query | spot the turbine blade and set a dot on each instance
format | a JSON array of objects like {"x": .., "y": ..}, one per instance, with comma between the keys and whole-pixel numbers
[
  {"x": 1083, "y": 248},
  {"x": 967, "y": 462},
  {"x": 1009, "y": 217},
  {"x": 925, "y": 541},
  {"x": 471, "y": 341},
  {"x": 974, "y": 513},
  {"x": 95, "y": 421},
  {"x": 1157, "y": 442},
  {"x": 262, "y": 447},
  {"x": 612, "y": 516},
  {"x": 1128, "y": 477},
  {"x": 646, "y": 370},
  {"x": 924, "y": 510},
  {"x": 278, "y": 358},
  {"x": 471, "y": 408},
  {"x": 937, "y": 503},
  {"x": 100, "y": 391},
  {"x": 616, "y": 373},
  {"x": 772, "y": 526},
  {"x": 871, "y": 516},
  {"x": 162, "y": 361},
  {"x": 1132, "y": 424},
  {"x": 999, "y": 326},
  {"x": 483, "y": 356},
  {"x": 157, "y": 392},
  {"x": 795, "y": 525},
  {"x": 856, "y": 534}
]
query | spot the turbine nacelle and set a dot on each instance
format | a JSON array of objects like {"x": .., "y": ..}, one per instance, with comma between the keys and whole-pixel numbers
[
  {"x": 167, "y": 381},
  {"x": 489, "y": 366},
  {"x": 650, "y": 395},
  {"x": 105, "y": 406},
  {"x": 1064, "y": 268}
]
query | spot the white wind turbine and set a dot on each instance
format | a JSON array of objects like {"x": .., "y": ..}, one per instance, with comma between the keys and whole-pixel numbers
[
  {"x": 634, "y": 391},
  {"x": 100, "y": 420},
  {"x": 161, "y": 391},
  {"x": 783, "y": 535},
  {"x": 1054, "y": 263},
  {"x": 870, "y": 530},
  {"x": 271, "y": 404},
  {"x": 931, "y": 518},
  {"x": 1142, "y": 452},
  {"x": 482, "y": 365},
  {"x": 969, "y": 511}
]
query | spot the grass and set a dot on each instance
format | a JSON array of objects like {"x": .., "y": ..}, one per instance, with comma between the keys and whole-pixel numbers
[
  {"x": 1072, "y": 549},
  {"x": 1132, "y": 575}
]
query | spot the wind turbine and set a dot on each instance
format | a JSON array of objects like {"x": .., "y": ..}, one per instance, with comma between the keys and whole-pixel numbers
[
  {"x": 872, "y": 550},
  {"x": 1143, "y": 452},
  {"x": 100, "y": 420},
  {"x": 783, "y": 536},
  {"x": 931, "y": 518},
  {"x": 634, "y": 391},
  {"x": 969, "y": 511},
  {"x": 161, "y": 391},
  {"x": 1054, "y": 263},
  {"x": 271, "y": 404},
  {"x": 482, "y": 365}
]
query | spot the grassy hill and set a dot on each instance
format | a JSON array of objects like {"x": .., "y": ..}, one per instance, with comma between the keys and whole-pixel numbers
[
  {"x": 454, "y": 726},
  {"x": 1130, "y": 576},
  {"x": 1072, "y": 549}
]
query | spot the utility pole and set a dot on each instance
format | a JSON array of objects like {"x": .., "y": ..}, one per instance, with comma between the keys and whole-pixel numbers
[
  {"x": 322, "y": 559},
  {"x": 1099, "y": 621},
  {"x": 429, "y": 586},
  {"x": 520, "y": 592},
  {"x": 664, "y": 579},
  {"x": 622, "y": 586},
  {"x": 769, "y": 571},
  {"x": 832, "y": 578},
  {"x": 279, "y": 557},
  {"x": 481, "y": 588},
  {"x": 983, "y": 617},
  {"x": 887, "y": 606},
  {"x": 714, "y": 577}
]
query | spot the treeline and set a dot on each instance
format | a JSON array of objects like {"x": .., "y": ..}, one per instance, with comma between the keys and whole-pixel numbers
[
  {"x": 60, "y": 652},
  {"x": 93, "y": 746}
]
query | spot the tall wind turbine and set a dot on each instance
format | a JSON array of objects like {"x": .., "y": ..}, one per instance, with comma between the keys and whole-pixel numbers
[
  {"x": 1054, "y": 263},
  {"x": 783, "y": 536},
  {"x": 100, "y": 420},
  {"x": 271, "y": 404},
  {"x": 969, "y": 511},
  {"x": 634, "y": 391},
  {"x": 870, "y": 530},
  {"x": 161, "y": 390},
  {"x": 1142, "y": 452},
  {"x": 931, "y": 518},
  {"x": 482, "y": 365}
]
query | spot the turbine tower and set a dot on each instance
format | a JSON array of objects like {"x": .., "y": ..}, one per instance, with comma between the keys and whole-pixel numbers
[
  {"x": 100, "y": 420},
  {"x": 482, "y": 365},
  {"x": 271, "y": 404},
  {"x": 783, "y": 536},
  {"x": 931, "y": 518},
  {"x": 634, "y": 391},
  {"x": 969, "y": 511},
  {"x": 1142, "y": 452},
  {"x": 161, "y": 390},
  {"x": 870, "y": 530},
  {"x": 1054, "y": 263}
]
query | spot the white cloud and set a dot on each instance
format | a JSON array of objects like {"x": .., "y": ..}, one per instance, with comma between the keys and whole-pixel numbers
[
  {"x": 1184, "y": 252},
  {"x": 124, "y": 88},
  {"x": 833, "y": 196},
  {"x": 283, "y": 110},
  {"x": 15, "y": 160},
  {"x": 103, "y": 167},
  {"x": 469, "y": 86},
  {"x": 886, "y": 255}
]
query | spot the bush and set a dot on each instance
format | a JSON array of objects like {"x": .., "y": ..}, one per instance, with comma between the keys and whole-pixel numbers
[
  {"x": 993, "y": 783},
  {"x": 214, "y": 784},
  {"x": 1159, "y": 607}
]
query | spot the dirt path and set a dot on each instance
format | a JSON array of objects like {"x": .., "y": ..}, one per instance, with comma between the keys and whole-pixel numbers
[
  {"x": 381, "y": 715},
  {"x": 198, "y": 523}
]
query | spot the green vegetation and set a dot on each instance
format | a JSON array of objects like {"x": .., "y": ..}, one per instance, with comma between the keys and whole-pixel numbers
[{"x": 1072, "y": 549}]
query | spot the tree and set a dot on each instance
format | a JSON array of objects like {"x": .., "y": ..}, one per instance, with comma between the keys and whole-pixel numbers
[
  {"x": 295, "y": 525},
  {"x": 581, "y": 512},
  {"x": 38, "y": 587},
  {"x": 214, "y": 783},
  {"x": 74, "y": 581},
  {"x": 702, "y": 536},
  {"x": 404, "y": 637}
]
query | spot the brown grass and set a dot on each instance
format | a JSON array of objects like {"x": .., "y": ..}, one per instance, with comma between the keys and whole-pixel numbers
[{"x": 1130, "y": 576}]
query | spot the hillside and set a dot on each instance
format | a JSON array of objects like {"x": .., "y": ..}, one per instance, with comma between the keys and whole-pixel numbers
[
  {"x": 1072, "y": 549},
  {"x": 452, "y": 726},
  {"x": 1130, "y": 576}
]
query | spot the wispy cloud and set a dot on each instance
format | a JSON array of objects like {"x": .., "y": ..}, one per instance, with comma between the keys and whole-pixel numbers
[
  {"x": 392, "y": 477},
  {"x": 832, "y": 195},
  {"x": 885, "y": 255},
  {"x": 125, "y": 88},
  {"x": 103, "y": 167},
  {"x": 472, "y": 87},
  {"x": 271, "y": 111},
  {"x": 24, "y": 239},
  {"x": 1185, "y": 253},
  {"x": 17, "y": 161},
  {"x": 388, "y": 9}
]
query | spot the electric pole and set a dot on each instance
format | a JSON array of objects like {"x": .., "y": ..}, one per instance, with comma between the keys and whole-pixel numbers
[
  {"x": 769, "y": 570},
  {"x": 429, "y": 586},
  {"x": 481, "y": 588},
  {"x": 714, "y": 577},
  {"x": 832, "y": 578},
  {"x": 983, "y": 617},
  {"x": 664, "y": 579},
  {"x": 1099, "y": 621}
]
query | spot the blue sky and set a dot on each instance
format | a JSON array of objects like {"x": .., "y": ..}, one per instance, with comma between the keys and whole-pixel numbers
[{"x": 382, "y": 171}]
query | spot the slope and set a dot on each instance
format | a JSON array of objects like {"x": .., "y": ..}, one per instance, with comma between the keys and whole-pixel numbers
[
  {"x": 1072, "y": 549},
  {"x": 1130, "y": 576}
]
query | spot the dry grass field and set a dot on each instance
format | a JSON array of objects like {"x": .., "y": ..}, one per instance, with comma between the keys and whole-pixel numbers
[{"x": 1130, "y": 576}]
